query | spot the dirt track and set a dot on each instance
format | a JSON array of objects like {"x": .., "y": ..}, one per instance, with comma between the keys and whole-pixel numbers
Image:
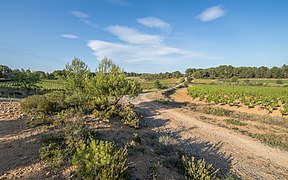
[{"x": 225, "y": 148}]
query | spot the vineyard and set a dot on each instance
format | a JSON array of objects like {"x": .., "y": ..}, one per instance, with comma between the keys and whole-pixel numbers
[{"x": 265, "y": 98}]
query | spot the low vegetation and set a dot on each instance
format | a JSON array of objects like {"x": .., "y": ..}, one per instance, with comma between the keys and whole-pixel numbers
[
  {"x": 269, "y": 98},
  {"x": 198, "y": 169}
]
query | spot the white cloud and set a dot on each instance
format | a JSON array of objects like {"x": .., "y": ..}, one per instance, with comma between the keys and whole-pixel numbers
[
  {"x": 70, "y": 36},
  {"x": 80, "y": 14},
  {"x": 212, "y": 13},
  {"x": 153, "y": 22},
  {"x": 140, "y": 53},
  {"x": 133, "y": 36}
]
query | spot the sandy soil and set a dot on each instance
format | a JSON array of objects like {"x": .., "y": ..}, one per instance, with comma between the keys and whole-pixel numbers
[
  {"x": 224, "y": 148},
  {"x": 18, "y": 144}
]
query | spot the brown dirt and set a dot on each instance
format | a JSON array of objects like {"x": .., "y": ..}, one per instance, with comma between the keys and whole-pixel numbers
[
  {"x": 225, "y": 148},
  {"x": 18, "y": 144}
]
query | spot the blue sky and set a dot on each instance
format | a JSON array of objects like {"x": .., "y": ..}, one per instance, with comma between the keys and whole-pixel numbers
[{"x": 143, "y": 35}]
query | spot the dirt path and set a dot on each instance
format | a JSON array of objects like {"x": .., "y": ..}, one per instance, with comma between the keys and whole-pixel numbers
[{"x": 223, "y": 147}]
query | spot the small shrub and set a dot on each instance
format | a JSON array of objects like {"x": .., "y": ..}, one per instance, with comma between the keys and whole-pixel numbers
[
  {"x": 130, "y": 116},
  {"x": 165, "y": 140},
  {"x": 43, "y": 104},
  {"x": 53, "y": 154},
  {"x": 39, "y": 121},
  {"x": 75, "y": 132},
  {"x": 36, "y": 104},
  {"x": 234, "y": 79},
  {"x": 198, "y": 170},
  {"x": 279, "y": 81},
  {"x": 105, "y": 112},
  {"x": 235, "y": 122},
  {"x": 157, "y": 84},
  {"x": 100, "y": 160}
]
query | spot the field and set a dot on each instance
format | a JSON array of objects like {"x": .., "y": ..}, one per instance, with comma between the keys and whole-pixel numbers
[
  {"x": 149, "y": 84},
  {"x": 244, "y": 81},
  {"x": 268, "y": 98}
]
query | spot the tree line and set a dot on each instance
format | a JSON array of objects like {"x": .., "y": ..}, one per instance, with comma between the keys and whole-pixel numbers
[
  {"x": 223, "y": 71},
  {"x": 228, "y": 71}
]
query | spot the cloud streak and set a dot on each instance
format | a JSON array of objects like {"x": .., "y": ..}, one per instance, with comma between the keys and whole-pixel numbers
[
  {"x": 211, "y": 13},
  {"x": 80, "y": 14},
  {"x": 133, "y": 36},
  {"x": 70, "y": 36},
  {"x": 83, "y": 17},
  {"x": 154, "y": 23}
]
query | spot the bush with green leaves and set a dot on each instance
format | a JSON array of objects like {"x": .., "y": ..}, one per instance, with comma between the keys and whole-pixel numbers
[
  {"x": 43, "y": 104},
  {"x": 157, "y": 84},
  {"x": 130, "y": 116},
  {"x": 100, "y": 160},
  {"x": 39, "y": 121},
  {"x": 26, "y": 79},
  {"x": 198, "y": 170},
  {"x": 36, "y": 104},
  {"x": 53, "y": 154}
]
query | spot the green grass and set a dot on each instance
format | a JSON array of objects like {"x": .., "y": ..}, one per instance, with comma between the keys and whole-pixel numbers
[
  {"x": 235, "y": 122},
  {"x": 274, "y": 140},
  {"x": 51, "y": 84}
]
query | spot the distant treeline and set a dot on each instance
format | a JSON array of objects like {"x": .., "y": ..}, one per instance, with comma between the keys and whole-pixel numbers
[
  {"x": 228, "y": 71},
  {"x": 223, "y": 71},
  {"x": 166, "y": 75}
]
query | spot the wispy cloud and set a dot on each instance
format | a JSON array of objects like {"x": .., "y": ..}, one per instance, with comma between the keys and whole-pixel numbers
[
  {"x": 70, "y": 36},
  {"x": 89, "y": 23},
  {"x": 83, "y": 17},
  {"x": 139, "y": 54},
  {"x": 211, "y": 13},
  {"x": 79, "y": 14},
  {"x": 154, "y": 22},
  {"x": 133, "y": 36},
  {"x": 117, "y": 2}
]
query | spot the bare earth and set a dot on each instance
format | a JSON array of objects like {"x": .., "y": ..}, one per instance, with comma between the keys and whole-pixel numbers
[{"x": 228, "y": 149}]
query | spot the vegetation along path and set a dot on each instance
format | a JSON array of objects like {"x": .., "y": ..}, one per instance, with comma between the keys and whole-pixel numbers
[{"x": 226, "y": 149}]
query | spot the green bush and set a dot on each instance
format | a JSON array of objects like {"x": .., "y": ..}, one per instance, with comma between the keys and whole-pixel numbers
[
  {"x": 198, "y": 170},
  {"x": 53, "y": 154},
  {"x": 157, "y": 84},
  {"x": 130, "y": 116},
  {"x": 39, "y": 121},
  {"x": 279, "y": 81},
  {"x": 75, "y": 132},
  {"x": 36, "y": 104},
  {"x": 105, "y": 112},
  {"x": 43, "y": 104},
  {"x": 100, "y": 160}
]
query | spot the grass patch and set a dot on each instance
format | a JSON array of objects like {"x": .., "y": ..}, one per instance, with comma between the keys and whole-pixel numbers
[
  {"x": 235, "y": 122},
  {"x": 217, "y": 111},
  {"x": 274, "y": 140}
]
